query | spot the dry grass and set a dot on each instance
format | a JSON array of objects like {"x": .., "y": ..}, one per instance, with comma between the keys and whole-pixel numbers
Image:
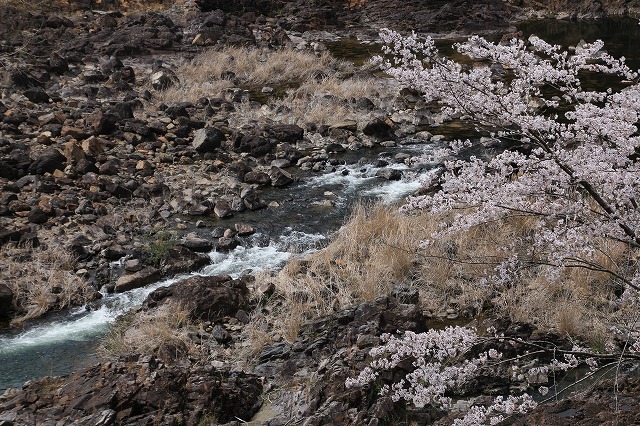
[
  {"x": 376, "y": 250},
  {"x": 316, "y": 89},
  {"x": 373, "y": 251},
  {"x": 42, "y": 279},
  {"x": 328, "y": 101},
  {"x": 146, "y": 331}
]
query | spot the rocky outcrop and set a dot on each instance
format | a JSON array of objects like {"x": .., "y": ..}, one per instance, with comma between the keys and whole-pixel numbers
[
  {"x": 205, "y": 298},
  {"x": 139, "y": 391}
]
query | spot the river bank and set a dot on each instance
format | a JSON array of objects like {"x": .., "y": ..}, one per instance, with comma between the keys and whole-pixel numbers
[{"x": 127, "y": 145}]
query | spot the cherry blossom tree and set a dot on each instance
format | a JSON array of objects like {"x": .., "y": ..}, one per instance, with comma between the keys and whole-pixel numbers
[
  {"x": 569, "y": 160},
  {"x": 574, "y": 158}
]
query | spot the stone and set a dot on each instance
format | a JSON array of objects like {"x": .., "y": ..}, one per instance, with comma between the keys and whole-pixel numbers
[
  {"x": 72, "y": 131},
  {"x": 279, "y": 177},
  {"x": 196, "y": 243},
  {"x": 138, "y": 279},
  {"x": 73, "y": 152},
  {"x": 379, "y": 128},
  {"x": 207, "y": 139},
  {"x": 37, "y": 216},
  {"x": 101, "y": 122},
  {"x": 258, "y": 178},
  {"x": 133, "y": 265},
  {"x": 244, "y": 229},
  {"x": 36, "y": 95},
  {"x": 288, "y": 133},
  {"x": 349, "y": 125},
  {"x": 223, "y": 209},
  {"x": 162, "y": 80},
  {"x": 220, "y": 334},
  {"x": 389, "y": 174},
  {"x": 206, "y": 298},
  {"x": 46, "y": 161},
  {"x": 251, "y": 199},
  {"x": 226, "y": 244}
]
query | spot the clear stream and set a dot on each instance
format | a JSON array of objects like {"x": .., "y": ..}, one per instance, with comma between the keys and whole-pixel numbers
[{"x": 67, "y": 342}]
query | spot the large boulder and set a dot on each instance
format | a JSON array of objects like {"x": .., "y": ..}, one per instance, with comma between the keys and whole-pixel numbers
[
  {"x": 138, "y": 279},
  {"x": 142, "y": 391},
  {"x": 208, "y": 139},
  {"x": 205, "y": 298},
  {"x": 47, "y": 161}
]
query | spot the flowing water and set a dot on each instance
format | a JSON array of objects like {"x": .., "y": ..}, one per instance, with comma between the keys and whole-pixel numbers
[{"x": 311, "y": 210}]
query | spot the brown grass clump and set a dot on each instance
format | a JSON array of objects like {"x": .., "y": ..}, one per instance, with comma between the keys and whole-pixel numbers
[
  {"x": 146, "y": 331},
  {"x": 371, "y": 253},
  {"x": 42, "y": 279},
  {"x": 309, "y": 88},
  {"x": 377, "y": 249}
]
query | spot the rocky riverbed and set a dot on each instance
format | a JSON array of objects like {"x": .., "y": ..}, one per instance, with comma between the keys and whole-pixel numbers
[{"x": 109, "y": 182}]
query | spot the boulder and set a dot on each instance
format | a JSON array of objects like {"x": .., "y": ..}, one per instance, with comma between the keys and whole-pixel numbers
[
  {"x": 251, "y": 199},
  {"x": 196, "y": 243},
  {"x": 206, "y": 298},
  {"x": 226, "y": 244},
  {"x": 46, "y": 161},
  {"x": 162, "y": 79},
  {"x": 254, "y": 145},
  {"x": 180, "y": 259},
  {"x": 36, "y": 95},
  {"x": 289, "y": 133},
  {"x": 223, "y": 209},
  {"x": 138, "y": 390},
  {"x": 207, "y": 139},
  {"x": 138, "y": 279},
  {"x": 259, "y": 178},
  {"x": 279, "y": 177},
  {"x": 379, "y": 128},
  {"x": 389, "y": 174}
]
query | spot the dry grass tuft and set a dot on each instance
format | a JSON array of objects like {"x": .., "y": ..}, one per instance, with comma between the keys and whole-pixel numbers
[
  {"x": 42, "y": 279},
  {"x": 146, "y": 331}
]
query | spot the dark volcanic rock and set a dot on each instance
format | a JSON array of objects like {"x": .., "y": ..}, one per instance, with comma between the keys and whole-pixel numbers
[
  {"x": 195, "y": 243},
  {"x": 208, "y": 139},
  {"x": 379, "y": 128},
  {"x": 138, "y": 279},
  {"x": 142, "y": 392},
  {"x": 181, "y": 259},
  {"x": 37, "y": 95},
  {"x": 279, "y": 177},
  {"x": 255, "y": 145},
  {"x": 6, "y": 302},
  {"x": 205, "y": 298},
  {"x": 47, "y": 161},
  {"x": 289, "y": 133}
]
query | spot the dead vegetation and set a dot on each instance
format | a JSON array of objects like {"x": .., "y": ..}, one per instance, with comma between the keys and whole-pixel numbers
[
  {"x": 307, "y": 88},
  {"x": 146, "y": 331},
  {"x": 376, "y": 250},
  {"x": 42, "y": 279}
]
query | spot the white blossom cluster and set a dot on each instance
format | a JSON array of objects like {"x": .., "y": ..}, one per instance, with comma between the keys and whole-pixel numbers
[
  {"x": 436, "y": 368},
  {"x": 578, "y": 172},
  {"x": 497, "y": 412}
]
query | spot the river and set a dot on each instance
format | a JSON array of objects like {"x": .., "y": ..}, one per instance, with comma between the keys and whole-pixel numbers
[{"x": 312, "y": 209}]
